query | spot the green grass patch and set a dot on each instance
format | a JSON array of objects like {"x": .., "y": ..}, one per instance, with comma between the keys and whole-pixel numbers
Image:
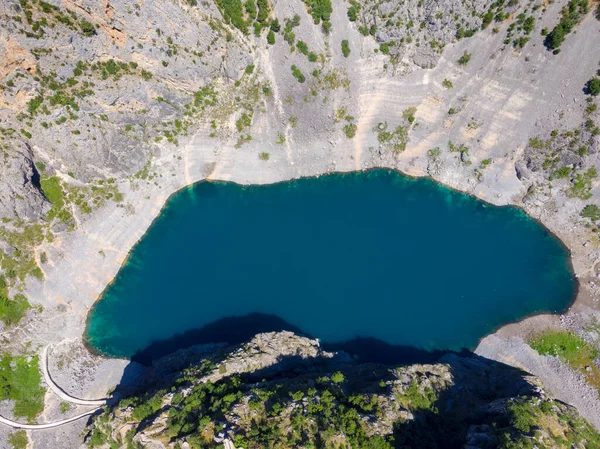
[
  {"x": 20, "y": 381},
  {"x": 53, "y": 191},
  {"x": 13, "y": 310},
  {"x": 571, "y": 349}
]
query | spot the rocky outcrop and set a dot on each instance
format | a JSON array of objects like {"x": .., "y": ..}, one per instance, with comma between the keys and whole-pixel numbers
[
  {"x": 283, "y": 390},
  {"x": 20, "y": 194}
]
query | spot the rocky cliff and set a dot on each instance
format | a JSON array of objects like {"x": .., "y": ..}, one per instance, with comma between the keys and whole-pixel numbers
[
  {"x": 107, "y": 107},
  {"x": 281, "y": 390}
]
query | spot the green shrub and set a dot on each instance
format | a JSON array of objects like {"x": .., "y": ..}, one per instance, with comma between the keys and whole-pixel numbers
[
  {"x": 591, "y": 211},
  {"x": 561, "y": 173},
  {"x": 465, "y": 58},
  {"x": 350, "y": 130},
  {"x": 337, "y": 377},
  {"x": 97, "y": 438},
  {"x": 522, "y": 416},
  {"x": 417, "y": 399},
  {"x": 487, "y": 19},
  {"x": 302, "y": 47},
  {"x": 571, "y": 16},
  {"x": 271, "y": 37},
  {"x": 87, "y": 28},
  {"x": 582, "y": 186},
  {"x": 34, "y": 104},
  {"x": 298, "y": 74},
  {"x": 233, "y": 12},
  {"x": 251, "y": 9},
  {"x": 345, "y": 48},
  {"x": 244, "y": 121},
  {"x": 353, "y": 12},
  {"x": 65, "y": 407},
  {"x": 263, "y": 11},
  {"x": 593, "y": 87},
  {"x": 319, "y": 10}
]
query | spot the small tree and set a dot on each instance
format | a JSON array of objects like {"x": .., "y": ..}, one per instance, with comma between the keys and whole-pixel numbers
[
  {"x": 353, "y": 12},
  {"x": 298, "y": 74},
  {"x": 275, "y": 26},
  {"x": 337, "y": 377},
  {"x": 591, "y": 211},
  {"x": 593, "y": 87},
  {"x": 87, "y": 28}
]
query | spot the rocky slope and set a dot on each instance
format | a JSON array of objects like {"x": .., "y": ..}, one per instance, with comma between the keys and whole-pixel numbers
[
  {"x": 108, "y": 106},
  {"x": 281, "y": 390}
]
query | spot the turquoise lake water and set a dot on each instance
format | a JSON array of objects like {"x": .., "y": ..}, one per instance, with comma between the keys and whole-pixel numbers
[{"x": 373, "y": 254}]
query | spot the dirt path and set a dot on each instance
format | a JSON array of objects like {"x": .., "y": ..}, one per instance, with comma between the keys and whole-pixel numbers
[{"x": 96, "y": 403}]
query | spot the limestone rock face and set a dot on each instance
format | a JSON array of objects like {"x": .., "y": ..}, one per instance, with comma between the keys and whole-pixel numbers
[
  {"x": 20, "y": 195},
  {"x": 283, "y": 389}
]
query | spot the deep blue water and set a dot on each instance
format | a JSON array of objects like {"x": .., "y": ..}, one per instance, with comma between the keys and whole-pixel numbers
[{"x": 373, "y": 254}]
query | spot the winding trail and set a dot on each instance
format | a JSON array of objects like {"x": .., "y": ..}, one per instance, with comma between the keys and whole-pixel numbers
[
  {"x": 17, "y": 425},
  {"x": 60, "y": 392},
  {"x": 96, "y": 403}
]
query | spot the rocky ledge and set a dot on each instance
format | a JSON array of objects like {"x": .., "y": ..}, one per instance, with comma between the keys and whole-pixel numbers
[{"x": 282, "y": 390}]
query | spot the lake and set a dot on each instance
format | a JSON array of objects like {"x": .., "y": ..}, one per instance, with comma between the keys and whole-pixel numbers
[{"x": 404, "y": 262}]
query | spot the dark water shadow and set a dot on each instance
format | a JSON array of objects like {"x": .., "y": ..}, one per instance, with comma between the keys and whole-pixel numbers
[
  {"x": 162, "y": 361},
  {"x": 230, "y": 330},
  {"x": 236, "y": 330}
]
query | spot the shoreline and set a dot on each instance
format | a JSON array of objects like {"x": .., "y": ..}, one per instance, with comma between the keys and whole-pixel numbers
[{"x": 572, "y": 300}]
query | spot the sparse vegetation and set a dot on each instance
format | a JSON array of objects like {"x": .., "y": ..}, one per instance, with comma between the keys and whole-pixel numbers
[
  {"x": 395, "y": 140},
  {"x": 582, "y": 185},
  {"x": 417, "y": 397},
  {"x": 18, "y": 440},
  {"x": 65, "y": 407},
  {"x": 320, "y": 10},
  {"x": 465, "y": 58},
  {"x": 571, "y": 16},
  {"x": 434, "y": 153}
]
